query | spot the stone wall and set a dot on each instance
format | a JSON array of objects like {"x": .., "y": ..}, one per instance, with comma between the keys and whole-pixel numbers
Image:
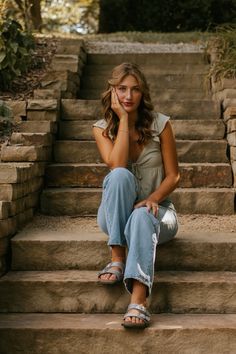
[
  {"x": 225, "y": 91},
  {"x": 28, "y": 150},
  {"x": 22, "y": 165}
]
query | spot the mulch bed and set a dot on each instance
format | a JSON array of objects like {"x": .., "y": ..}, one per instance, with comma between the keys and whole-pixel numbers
[{"x": 24, "y": 86}]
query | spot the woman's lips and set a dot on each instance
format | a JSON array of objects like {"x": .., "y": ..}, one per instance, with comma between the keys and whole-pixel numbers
[{"x": 128, "y": 104}]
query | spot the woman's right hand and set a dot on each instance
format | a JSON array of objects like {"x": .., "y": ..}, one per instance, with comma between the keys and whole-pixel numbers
[{"x": 116, "y": 106}]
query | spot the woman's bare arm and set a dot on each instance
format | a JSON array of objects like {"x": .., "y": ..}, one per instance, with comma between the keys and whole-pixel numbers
[
  {"x": 170, "y": 162},
  {"x": 115, "y": 154}
]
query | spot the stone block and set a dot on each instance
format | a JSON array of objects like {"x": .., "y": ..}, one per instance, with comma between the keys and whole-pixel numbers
[
  {"x": 223, "y": 84},
  {"x": 85, "y": 201},
  {"x": 4, "y": 246},
  {"x": 59, "y": 80},
  {"x": 15, "y": 172},
  {"x": 4, "y": 209},
  {"x": 25, "y": 153},
  {"x": 42, "y": 105},
  {"x": 18, "y": 109},
  {"x": 85, "y": 109},
  {"x": 42, "y": 126},
  {"x": 44, "y": 139},
  {"x": 233, "y": 153},
  {"x": 188, "y": 151},
  {"x": 8, "y": 227},
  {"x": 229, "y": 113},
  {"x": 102, "y": 333},
  {"x": 47, "y": 94},
  {"x": 229, "y": 102},
  {"x": 19, "y": 206},
  {"x": 73, "y": 46},
  {"x": 23, "y": 218},
  {"x": 231, "y": 138},
  {"x": 62, "y": 62},
  {"x": 224, "y": 94},
  {"x": 43, "y": 115},
  {"x": 9, "y": 192},
  {"x": 231, "y": 125},
  {"x": 3, "y": 265},
  {"x": 233, "y": 164}
]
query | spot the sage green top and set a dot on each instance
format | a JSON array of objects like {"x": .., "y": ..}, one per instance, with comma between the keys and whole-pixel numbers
[{"x": 148, "y": 168}]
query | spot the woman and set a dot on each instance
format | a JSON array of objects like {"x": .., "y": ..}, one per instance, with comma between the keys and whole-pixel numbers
[{"x": 138, "y": 146}]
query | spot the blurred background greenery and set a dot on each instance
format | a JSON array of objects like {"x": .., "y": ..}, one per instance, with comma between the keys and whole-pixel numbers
[
  {"x": 106, "y": 16},
  {"x": 171, "y": 21}
]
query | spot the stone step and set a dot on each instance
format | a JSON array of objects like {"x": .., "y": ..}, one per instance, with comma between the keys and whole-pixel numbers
[
  {"x": 15, "y": 153},
  {"x": 37, "y": 126},
  {"x": 27, "y": 139},
  {"x": 103, "y": 334},
  {"x": 85, "y": 201},
  {"x": 182, "y": 109},
  {"x": 20, "y": 172},
  {"x": 188, "y": 151},
  {"x": 157, "y": 81},
  {"x": 55, "y": 248},
  {"x": 183, "y": 129},
  {"x": 18, "y": 206},
  {"x": 150, "y": 70},
  {"x": 191, "y": 109},
  {"x": 92, "y": 175},
  {"x": 79, "y": 291},
  {"x": 163, "y": 60},
  {"x": 10, "y": 192},
  {"x": 167, "y": 94}
]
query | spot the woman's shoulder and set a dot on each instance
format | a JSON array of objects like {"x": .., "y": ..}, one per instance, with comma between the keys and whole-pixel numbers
[
  {"x": 101, "y": 123},
  {"x": 159, "y": 122}
]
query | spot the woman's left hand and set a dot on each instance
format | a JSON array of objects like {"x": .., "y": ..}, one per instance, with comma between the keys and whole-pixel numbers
[{"x": 150, "y": 204}]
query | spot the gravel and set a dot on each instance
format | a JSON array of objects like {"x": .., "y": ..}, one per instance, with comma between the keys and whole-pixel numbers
[
  {"x": 194, "y": 222},
  {"x": 93, "y": 47}
]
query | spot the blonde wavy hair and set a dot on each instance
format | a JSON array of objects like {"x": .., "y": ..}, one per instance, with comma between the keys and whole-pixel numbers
[{"x": 145, "y": 116}]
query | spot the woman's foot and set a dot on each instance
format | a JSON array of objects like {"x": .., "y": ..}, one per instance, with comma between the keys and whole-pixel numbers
[
  {"x": 112, "y": 273},
  {"x": 137, "y": 315},
  {"x": 117, "y": 256}
]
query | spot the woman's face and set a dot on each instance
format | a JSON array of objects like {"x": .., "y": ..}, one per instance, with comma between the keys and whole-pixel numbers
[{"x": 129, "y": 93}]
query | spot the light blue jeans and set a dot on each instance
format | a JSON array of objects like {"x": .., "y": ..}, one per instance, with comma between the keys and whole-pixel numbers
[{"x": 137, "y": 229}]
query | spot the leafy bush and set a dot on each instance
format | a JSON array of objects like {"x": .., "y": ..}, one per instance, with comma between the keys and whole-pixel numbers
[
  {"x": 15, "y": 51},
  {"x": 164, "y": 15}
]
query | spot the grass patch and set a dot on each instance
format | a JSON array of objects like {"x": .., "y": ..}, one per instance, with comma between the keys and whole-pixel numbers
[{"x": 224, "y": 44}]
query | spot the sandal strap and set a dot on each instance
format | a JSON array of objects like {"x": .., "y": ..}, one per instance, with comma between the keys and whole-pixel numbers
[
  {"x": 143, "y": 312},
  {"x": 118, "y": 273},
  {"x": 140, "y": 316}
]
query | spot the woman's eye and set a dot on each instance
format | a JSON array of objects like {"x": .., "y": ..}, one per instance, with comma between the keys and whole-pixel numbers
[
  {"x": 137, "y": 89},
  {"x": 122, "y": 89}
]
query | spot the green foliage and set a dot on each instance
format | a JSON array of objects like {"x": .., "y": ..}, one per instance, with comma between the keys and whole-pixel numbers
[
  {"x": 164, "y": 16},
  {"x": 15, "y": 51},
  {"x": 5, "y": 111},
  {"x": 224, "y": 44}
]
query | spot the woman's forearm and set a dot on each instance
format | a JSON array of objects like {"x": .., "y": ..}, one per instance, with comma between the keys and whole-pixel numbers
[
  {"x": 166, "y": 187},
  {"x": 120, "y": 152}
]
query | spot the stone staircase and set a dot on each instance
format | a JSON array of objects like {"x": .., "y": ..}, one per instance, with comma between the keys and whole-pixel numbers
[
  {"x": 75, "y": 177},
  {"x": 51, "y": 302}
]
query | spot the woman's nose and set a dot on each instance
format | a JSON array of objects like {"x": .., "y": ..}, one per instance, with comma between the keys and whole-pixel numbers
[{"x": 129, "y": 94}]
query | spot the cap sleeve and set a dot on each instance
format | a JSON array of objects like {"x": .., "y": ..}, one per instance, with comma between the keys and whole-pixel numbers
[
  {"x": 158, "y": 125},
  {"x": 101, "y": 123}
]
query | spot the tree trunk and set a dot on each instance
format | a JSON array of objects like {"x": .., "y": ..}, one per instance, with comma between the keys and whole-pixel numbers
[{"x": 35, "y": 12}]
